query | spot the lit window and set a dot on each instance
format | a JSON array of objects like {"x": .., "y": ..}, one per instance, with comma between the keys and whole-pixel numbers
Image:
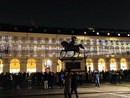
[
  {"x": 118, "y": 34},
  {"x": 85, "y": 32},
  {"x": 97, "y": 33}
]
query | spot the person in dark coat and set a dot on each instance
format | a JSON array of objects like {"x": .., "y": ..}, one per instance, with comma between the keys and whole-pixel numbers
[
  {"x": 45, "y": 80},
  {"x": 74, "y": 84},
  {"x": 61, "y": 79},
  {"x": 50, "y": 80},
  {"x": 67, "y": 86}
]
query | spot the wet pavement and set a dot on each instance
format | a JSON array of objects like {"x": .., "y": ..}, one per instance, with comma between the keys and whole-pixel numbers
[{"x": 106, "y": 90}]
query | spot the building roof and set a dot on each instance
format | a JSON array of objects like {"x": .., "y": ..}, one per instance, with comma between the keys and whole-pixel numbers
[{"x": 68, "y": 31}]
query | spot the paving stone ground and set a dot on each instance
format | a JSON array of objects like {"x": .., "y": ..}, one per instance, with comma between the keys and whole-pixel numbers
[{"x": 85, "y": 91}]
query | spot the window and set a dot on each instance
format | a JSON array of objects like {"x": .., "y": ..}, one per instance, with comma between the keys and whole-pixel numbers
[
  {"x": 15, "y": 37},
  {"x": 39, "y": 38},
  {"x": 23, "y": 38},
  {"x": 53, "y": 40},
  {"x": 46, "y": 40},
  {"x": 31, "y": 38}
]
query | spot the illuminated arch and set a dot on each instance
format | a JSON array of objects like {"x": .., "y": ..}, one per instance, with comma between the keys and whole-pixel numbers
[
  {"x": 101, "y": 64},
  {"x": 1, "y": 66},
  {"x": 89, "y": 64},
  {"x": 14, "y": 66},
  {"x": 123, "y": 64},
  {"x": 59, "y": 65},
  {"x": 113, "y": 64},
  {"x": 46, "y": 65},
  {"x": 31, "y": 65}
]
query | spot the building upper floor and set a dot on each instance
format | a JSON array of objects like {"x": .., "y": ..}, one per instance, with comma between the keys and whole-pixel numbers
[{"x": 41, "y": 42}]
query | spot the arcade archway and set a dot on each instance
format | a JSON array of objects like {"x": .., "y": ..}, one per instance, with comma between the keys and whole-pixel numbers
[
  {"x": 31, "y": 65},
  {"x": 101, "y": 64},
  {"x": 123, "y": 64},
  {"x": 14, "y": 66},
  {"x": 113, "y": 64},
  {"x": 1, "y": 66},
  {"x": 46, "y": 65},
  {"x": 89, "y": 64}
]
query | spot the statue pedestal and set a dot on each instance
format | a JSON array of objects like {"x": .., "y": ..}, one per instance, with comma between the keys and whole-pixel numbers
[
  {"x": 74, "y": 64},
  {"x": 71, "y": 58}
]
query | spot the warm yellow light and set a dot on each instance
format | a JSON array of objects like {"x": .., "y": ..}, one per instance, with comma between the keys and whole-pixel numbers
[
  {"x": 108, "y": 34},
  {"x": 31, "y": 66},
  {"x": 85, "y": 32},
  {"x": 97, "y": 33}
]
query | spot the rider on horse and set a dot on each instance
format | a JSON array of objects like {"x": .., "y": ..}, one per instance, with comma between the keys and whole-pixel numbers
[
  {"x": 71, "y": 46},
  {"x": 73, "y": 38}
]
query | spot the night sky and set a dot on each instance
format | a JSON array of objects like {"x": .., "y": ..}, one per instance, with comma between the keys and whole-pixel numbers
[{"x": 67, "y": 13}]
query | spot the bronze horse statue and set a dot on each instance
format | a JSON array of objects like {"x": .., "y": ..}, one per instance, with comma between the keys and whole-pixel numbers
[{"x": 70, "y": 47}]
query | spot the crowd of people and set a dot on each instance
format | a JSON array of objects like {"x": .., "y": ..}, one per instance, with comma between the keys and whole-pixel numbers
[{"x": 66, "y": 80}]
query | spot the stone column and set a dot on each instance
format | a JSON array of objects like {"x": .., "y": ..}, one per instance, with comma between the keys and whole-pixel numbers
[
  {"x": 39, "y": 66},
  {"x": 118, "y": 67},
  {"x": 6, "y": 65},
  {"x": 95, "y": 64},
  {"x": 107, "y": 64},
  {"x": 128, "y": 63},
  {"x": 23, "y": 67}
]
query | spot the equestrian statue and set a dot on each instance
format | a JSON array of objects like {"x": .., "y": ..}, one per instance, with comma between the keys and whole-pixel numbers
[{"x": 70, "y": 46}]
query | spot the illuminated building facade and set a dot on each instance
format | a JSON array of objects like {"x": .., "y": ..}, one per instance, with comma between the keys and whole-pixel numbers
[{"x": 37, "y": 49}]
